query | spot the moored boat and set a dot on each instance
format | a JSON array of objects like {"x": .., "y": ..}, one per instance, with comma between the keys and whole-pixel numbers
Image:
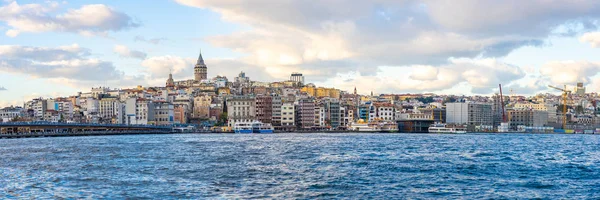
[
  {"x": 242, "y": 127},
  {"x": 362, "y": 126},
  {"x": 259, "y": 127},
  {"x": 444, "y": 128}
]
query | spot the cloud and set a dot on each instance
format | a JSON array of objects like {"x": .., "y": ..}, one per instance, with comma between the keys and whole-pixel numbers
[
  {"x": 124, "y": 51},
  {"x": 325, "y": 38},
  {"x": 154, "y": 41},
  {"x": 482, "y": 75},
  {"x": 70, "y": 62},
  {"x": 4, "y": 104},
  {"x": 570, "y": 72},
  {"x": 89, "y": 20},
  {"x": 182, "y": 68},
  {"x": 160, "y": 66},
  {"x": 2, "y": 88},
  {"x": 592, "y": 37}
]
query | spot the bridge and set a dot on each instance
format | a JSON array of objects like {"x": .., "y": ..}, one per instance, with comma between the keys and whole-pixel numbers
[{"x": 49, "y": 129}]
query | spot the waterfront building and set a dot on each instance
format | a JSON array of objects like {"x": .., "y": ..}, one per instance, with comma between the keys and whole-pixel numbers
[
  {"x": 288, "y": 116},
  {"x": 548, "y": 108},
  {"x": 163, "y": 113},
  {"x": 526, "y": 117},
  {"x": 382, "y": 111},
  {"x": 139, "y": 111},
  {"x": 65, "y": 107},
  {"x": 469, "y": 113},
  {"x": 319, "y": 116},
  {"x": 38, "y": 106},
  {"x": 9, "y": 113},
  {"x": 264, "y": 108},
  {"x": 241, "y": 109},
  {"x": 332, "y": 113},
  {"x": 344, "y": 123},
  {"x": 305, "y": 113},
  {"x": 108, "y": 109},
  {"x": 51, "y": 116},
  {"x": 276, "y": 103}
]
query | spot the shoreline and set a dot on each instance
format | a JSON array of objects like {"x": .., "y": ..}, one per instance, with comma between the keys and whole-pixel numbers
[{"x": 6, "y": 136}]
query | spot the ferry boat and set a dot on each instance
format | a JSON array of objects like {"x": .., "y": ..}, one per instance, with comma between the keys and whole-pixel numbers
[
  {"x": 252, "y": 127},
  {"x": 374, "y": 126},
  {"x": 388, "y": 127},
  {"x": 259, "y": 127},
  {"x": 364, "y": 127},
  {"x": 242, "y": 127},
  {"x": 443, "y": 128}
]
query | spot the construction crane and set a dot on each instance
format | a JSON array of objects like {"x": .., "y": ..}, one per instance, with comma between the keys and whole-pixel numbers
[
  {"x": 565, "y": 94},
  {"x": 502, "y": 103}
]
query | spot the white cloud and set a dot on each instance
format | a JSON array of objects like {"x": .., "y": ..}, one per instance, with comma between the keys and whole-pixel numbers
[
  {"x": 71, "y": 62},
  {"x": 183, "y": 68},
  {"x": 570, "y": 72},
  {"x": 592, "y": 37},
  {"x": 483, "y": 75},
  {"x": 95, "y": 19},
  {"x": 154, "y": 41},
  {"x": 334, "y": 37},
  {"x": 160, "y": 66},
  {"x": 124, "y": 51}
]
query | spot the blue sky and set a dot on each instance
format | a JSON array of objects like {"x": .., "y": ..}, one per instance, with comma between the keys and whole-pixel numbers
[{"x": 58, "y": 48}]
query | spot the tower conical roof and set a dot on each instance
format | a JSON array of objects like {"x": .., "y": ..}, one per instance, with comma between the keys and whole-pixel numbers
[{"x": 200, "y": 59}]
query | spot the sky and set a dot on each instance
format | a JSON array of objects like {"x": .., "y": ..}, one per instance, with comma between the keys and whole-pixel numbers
[{"x": 466, "y": 47}]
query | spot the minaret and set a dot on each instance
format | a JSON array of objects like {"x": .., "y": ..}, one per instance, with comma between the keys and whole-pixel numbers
[
  {"x": 200, "y": 69},
  {"x": 355, "y": 90}
]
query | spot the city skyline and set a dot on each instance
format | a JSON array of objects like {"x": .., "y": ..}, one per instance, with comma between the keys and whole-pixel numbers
[{"x": 55, "y": 49}]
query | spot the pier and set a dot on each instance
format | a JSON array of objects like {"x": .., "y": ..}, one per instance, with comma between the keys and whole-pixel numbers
[{"x": 49, "y": 129}]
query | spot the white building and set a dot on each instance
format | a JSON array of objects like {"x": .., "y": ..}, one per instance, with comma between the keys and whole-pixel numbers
[
  {"x": 64, "y": 107},
  {"x": 320, "y": 116},
  {"x": 469, "y": 113},
  {"x": 138, "y": 111},
  {"x": 241, "y": 109},
  {"x": 287, "y": 114},
  {"x": 108, "y": 109},
  {"x": 382, "y": 111},
  {"x": 9, "y": 113}
]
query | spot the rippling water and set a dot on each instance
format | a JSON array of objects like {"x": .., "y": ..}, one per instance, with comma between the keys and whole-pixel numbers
[{"x": 358, "y": 166}]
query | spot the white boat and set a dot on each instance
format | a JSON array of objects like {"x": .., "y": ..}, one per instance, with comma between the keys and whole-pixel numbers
[
  {"x": 242, "y": 127},
  {"x": 259, "y": 127},
  {"x": 362, "y": 126},
  {"x": 443, "y": 128},
  {"x": 503, "y": 128},
  {"x": 388, "y": 126},
  {"x": 252, "y": 127}
]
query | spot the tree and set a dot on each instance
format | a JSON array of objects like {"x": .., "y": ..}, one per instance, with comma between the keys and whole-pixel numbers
[
  {"x": 449, "y": 100},
  {"x": 425, "y": 100},
  {"x": 222, "y": 119}
]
